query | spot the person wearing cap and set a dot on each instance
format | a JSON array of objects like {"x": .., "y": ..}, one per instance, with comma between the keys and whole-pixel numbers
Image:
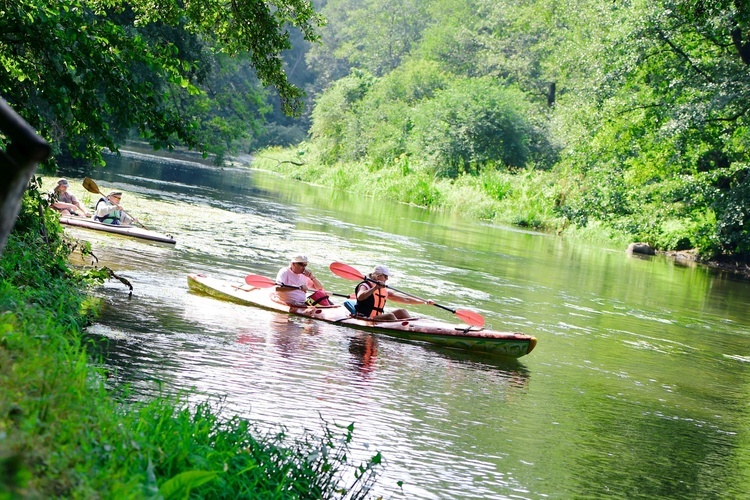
[
  {"x": 299, "y": 279},
  {"x": 372, "y": 295},
  {"x": 109, "y": 211},
  {"x": 65, "y": 202}
]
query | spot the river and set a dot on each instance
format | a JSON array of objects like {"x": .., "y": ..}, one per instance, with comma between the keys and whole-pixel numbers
[{"x": 638, "y": 387}]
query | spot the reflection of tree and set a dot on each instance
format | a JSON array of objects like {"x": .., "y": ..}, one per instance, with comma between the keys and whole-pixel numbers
[
  {"x": 656, "y": 456},
  {"x": 129, "y": 360},
  {"x": 364, "y": 349}
]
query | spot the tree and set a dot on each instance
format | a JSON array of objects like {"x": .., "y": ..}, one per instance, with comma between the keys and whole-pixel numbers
[
  {"x": 82, "y": 72},
  {"x": 471, "y": 124}
]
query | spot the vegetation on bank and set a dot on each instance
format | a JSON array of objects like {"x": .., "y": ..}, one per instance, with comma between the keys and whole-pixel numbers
[
  {"x": 87, "y": 74},
  {"x": 625, "y": 119},
  {"x": 628, "y": 120},
  {"x": 62, "y": 434}
]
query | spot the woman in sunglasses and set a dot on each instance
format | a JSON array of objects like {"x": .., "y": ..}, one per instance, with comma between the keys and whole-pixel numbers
[{"x": 298, "y": 280}]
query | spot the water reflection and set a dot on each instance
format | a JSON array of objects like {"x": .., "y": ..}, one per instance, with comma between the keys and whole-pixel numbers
[
  {"x": 636, "y": 388},
  {"x": 364, "y": 350}
]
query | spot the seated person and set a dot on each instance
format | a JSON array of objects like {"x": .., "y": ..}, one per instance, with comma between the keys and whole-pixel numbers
[
  {"x": 109, "y": 211},
  {"x": 65, "y": 202},
  {"x": 372, "y": 295},
  {"x": 299, "y": 279}
]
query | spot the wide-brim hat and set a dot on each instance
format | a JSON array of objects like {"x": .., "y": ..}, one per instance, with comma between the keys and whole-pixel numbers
[
  {"x": 63, "y": 182},
  {"x": 302, "y": 259},
  {"x": 115, "y": 193}
]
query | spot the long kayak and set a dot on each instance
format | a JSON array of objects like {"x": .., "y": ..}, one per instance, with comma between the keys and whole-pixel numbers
[
  {"x": 132, "y": 231},
  {"x": 464, "y": 337}
]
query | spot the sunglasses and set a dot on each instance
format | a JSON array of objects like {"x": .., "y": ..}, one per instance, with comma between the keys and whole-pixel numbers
[{"x": 301, "y": 264}]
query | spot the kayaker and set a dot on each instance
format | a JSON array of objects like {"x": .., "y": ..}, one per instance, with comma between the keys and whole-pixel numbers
[
  {"x": 109, "y": 211},
  {"x": 372, "y": 295},
  {"x": 298, "y": 276},
  {"x": 65, "y": 202}
]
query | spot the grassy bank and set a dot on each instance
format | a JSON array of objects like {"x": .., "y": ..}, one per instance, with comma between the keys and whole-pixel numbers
[
  {"x": 63, "y": 435},
  {"x": 523, "y": 198}
]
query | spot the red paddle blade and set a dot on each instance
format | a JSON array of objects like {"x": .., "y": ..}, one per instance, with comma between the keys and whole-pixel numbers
[
  {"x": 470, "y": 317},
  {"x": 345, "y": 271},
  {"x": 259, "y": 281}
]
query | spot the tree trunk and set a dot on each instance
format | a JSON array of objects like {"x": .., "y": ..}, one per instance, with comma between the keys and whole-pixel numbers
[
  {"x": 25, "y": 149},
  {"x": 551, "y": 94}
]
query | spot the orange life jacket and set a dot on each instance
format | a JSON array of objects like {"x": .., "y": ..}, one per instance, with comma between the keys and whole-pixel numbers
[{"x": 374, "y": 304}]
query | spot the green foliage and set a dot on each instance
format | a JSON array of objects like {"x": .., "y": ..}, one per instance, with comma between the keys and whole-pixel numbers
[
  {"x": 371, "y": 35},
  {"x": 473, "y": 123},
  {"x": 84, "y": 72},
  {"x": 453, "y": 125},
  {"x": 63, "y": 435},
  {"x": 219, "y": 457}
]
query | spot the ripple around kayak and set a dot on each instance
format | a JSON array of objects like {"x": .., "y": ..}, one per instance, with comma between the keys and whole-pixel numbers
[
  {"x": 463, "y": 337},
  {"x": 133, "y": 231}
]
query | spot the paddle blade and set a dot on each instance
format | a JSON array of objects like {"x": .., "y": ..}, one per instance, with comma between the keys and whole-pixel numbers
[
  {"x": 90, "y": 186},
  {"x": 470, "y": 317},
  {"x": 345, "y": 271},
  {"x": 259, "y": 281}
]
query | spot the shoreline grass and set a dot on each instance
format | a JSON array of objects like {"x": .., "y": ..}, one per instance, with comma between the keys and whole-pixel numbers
[{"x": 62, "y": 434}]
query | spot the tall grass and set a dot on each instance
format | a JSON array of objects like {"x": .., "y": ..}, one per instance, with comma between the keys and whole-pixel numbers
[
  {"x": 63, "y": 435},
  {"x": 525, "y": 198}
]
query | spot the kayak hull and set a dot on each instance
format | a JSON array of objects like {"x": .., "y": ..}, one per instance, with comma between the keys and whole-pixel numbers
[
  {"x": 465, "y": 337},
  {"x": 131, "y": 231}
]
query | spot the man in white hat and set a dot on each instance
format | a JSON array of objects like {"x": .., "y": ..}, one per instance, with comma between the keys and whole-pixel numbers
[
  {"x": 298, "y": 279},
  {"x": 65, "y": 202},
  {"x": 372, "y": 295}
]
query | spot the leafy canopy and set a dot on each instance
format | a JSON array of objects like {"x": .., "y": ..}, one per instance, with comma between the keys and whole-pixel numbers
[{"x": 85, "y": 72}]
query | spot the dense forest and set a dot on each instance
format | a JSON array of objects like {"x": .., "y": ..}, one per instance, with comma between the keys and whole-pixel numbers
[
  {"x": 623, "y": 119},
  {"x": 626, "y": 119}
]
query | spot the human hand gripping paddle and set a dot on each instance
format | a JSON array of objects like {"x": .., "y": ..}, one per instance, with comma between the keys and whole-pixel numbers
[
  {"x": 348, "y": 272},
  {"x": 262, "y": 282},
  {"x": 91, "y": 187}
]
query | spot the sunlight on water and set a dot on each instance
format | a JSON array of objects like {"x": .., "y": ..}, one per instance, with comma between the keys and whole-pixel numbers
[{"x": 637, "y": 387}]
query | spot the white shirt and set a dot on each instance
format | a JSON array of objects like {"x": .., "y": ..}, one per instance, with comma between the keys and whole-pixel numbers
[{"x": 289, "y": 277}]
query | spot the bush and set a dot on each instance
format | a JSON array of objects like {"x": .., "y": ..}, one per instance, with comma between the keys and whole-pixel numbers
[{"x": 470, "y": 124}]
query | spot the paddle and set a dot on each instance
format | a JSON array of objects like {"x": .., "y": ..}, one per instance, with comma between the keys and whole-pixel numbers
[
  {"x": 262, "y": 282},
  {"x": 348, "y": 272},
  {"x": 91, "y": 187}
]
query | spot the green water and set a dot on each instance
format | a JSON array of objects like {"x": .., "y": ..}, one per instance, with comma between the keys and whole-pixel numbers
[{"x": 637, "y": 388}]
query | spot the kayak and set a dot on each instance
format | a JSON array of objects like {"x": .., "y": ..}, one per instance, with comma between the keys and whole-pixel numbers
[
  {"x": 133, "y": 231},
  {"x": 466, "y": 337}
]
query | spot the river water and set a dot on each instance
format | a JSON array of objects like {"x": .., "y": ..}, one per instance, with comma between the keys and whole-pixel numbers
[{"x": 638, "y": 387}]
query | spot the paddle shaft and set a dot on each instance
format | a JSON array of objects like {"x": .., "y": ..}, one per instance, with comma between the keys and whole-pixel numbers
[
  {"x": 259, "y": 281},
  {"x": 408, "y": 294},
  {"x": 348, "y": 272},
  {"x": 281, "y": 285},
  {"x": 91, "y": 186}
]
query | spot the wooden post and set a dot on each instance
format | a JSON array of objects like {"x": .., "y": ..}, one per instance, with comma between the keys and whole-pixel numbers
[{"x": 24, "y": 150}]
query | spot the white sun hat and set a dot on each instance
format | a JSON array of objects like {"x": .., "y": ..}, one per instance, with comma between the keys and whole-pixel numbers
[{"x": 381, "y": 270}]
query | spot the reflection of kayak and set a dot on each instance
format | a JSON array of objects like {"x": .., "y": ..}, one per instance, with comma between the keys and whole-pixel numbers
[
  {"x": 445, "y": 334},
  {"x": 133, "y": 231}
]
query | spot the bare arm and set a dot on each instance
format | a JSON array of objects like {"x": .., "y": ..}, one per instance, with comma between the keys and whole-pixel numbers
[
  {"x": 397, "y": 297},
  {"x": 316, "y": 283}
]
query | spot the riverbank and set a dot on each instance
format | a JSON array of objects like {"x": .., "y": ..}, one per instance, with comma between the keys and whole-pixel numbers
[
  {"x": 63, "y": 432},
  {"x": 520, "y": 199}
]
